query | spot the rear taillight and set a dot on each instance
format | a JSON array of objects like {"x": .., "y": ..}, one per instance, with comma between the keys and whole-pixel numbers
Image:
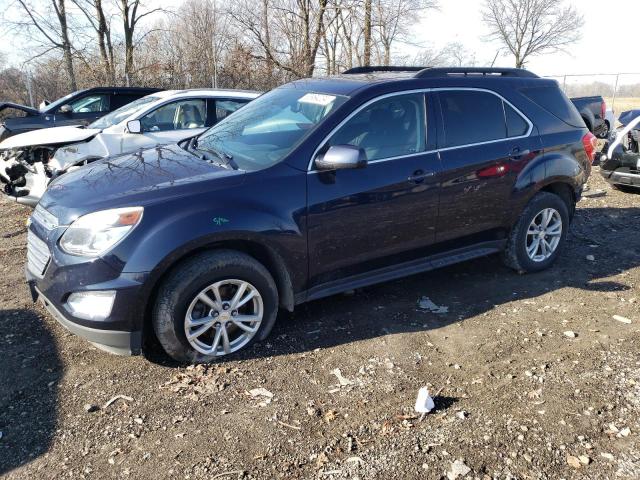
[
  {"x": 603, "y": 109},
  {"x": 590, "y": 143}
]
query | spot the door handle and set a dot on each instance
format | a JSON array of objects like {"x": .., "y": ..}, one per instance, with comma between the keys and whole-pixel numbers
[
  {"x": 517, "y": 153},
  {"x": 419, "y": 176}
]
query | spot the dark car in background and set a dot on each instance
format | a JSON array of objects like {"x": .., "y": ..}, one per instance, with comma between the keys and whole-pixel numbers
[
  {"x": 593, "y": 111},
  {"x": 317, "y": 187},
  {"x": 78, "y": 108}
]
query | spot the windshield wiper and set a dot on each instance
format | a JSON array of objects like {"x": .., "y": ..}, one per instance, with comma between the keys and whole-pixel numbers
[{"x": 227, "y": 160}]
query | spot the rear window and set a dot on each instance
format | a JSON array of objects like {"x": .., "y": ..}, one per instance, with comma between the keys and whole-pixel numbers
[{"x": 555, "y": 102}]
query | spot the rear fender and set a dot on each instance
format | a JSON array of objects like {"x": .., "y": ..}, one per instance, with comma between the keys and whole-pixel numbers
[{"x": 547, "y": 169}]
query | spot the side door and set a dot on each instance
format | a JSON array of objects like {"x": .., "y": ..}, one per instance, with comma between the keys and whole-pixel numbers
[
  {"x": 483, "y": 143},
  {"x": 364, "y": 219},
  {"x": 168, "y": 123},
  {"x": 83, "y": 110}
]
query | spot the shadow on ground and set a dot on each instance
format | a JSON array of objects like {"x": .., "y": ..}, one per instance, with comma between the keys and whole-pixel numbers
[
  {"x": 30, "y": 372},
  {"x": 467, "y": 289}
]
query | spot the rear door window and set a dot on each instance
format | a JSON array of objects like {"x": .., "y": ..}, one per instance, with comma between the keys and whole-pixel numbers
[
  {"x": 470, "y": 117},
  {"x": 391, "y": 127}
]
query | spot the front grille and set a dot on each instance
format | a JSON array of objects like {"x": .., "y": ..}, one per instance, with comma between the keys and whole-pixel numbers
[{"x": 37, "y": 254}]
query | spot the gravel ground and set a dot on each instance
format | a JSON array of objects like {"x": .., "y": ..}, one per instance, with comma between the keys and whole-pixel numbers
[{"x": 533, "y": 377}]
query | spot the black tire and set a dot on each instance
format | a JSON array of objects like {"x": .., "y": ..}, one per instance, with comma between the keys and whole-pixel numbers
[
  {"x": 605, "y": 130},
  {"x": 191, "y": 277},
  {"x": 515, "y": 254}
]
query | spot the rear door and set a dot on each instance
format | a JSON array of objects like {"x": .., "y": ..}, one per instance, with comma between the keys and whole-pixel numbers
[
  {"x": 483, "y": 143},
  {"x": 364, "y": 219}
]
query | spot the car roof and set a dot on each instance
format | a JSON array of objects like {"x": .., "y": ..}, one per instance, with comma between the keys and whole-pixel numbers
[
  {"x": 120, "y": 89},
  {"x": 360, "y": 78},
  {"x": 208, "y": 92}
]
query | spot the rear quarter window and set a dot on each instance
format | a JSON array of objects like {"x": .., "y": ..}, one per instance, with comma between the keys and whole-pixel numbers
[{"x": 555, "y": 102}]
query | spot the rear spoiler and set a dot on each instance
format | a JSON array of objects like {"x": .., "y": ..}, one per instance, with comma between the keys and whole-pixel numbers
[{"x": 17, "y": 106}]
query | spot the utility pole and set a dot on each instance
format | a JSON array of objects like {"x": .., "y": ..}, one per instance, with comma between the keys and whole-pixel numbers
[{"x": 27, "y": 75}]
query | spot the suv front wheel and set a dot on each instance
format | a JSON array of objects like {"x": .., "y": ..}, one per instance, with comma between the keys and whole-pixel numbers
[
  {"x": 214, "y": 304},
  {"x": 537, "y": 237}
]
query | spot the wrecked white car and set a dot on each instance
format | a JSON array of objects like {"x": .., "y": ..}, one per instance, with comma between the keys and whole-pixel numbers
[{"x": 29, "y": 161}]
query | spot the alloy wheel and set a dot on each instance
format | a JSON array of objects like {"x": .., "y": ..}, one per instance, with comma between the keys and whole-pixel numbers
[
  {"x": 223, "y": 317},
  {"x": 544, "y": 234}
]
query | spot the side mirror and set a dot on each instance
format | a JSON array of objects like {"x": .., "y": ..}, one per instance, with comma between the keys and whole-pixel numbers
[
  {"x": 134, "y": 126},
  {"x": 340, "y": 157},
  {"x": 65, "y": 109}
]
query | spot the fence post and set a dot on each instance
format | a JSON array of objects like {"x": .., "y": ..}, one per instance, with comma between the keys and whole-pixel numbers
[{"x": 615, "y": 93}]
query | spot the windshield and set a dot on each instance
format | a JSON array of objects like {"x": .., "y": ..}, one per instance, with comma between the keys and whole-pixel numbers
[
  {"x": 123, "y": 112},
  {"x": 264, "y": 131}
]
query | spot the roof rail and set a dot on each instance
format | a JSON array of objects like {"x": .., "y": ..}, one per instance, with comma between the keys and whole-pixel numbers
[
  {"x": 381, "y": 68},
  {"x": 466, "y": 71}
]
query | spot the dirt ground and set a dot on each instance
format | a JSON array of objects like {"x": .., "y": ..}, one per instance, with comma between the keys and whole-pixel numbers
[{"x": 517, "y": 394}]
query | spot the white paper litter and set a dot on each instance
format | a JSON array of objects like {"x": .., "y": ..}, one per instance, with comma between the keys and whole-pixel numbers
[
  {"x": 622, "y": 319},
  {"x": 343, "y": 381},
  {"x": 425, "y": 303},
  {"x": 424, "y": 402},
  {"x": 262, "y": 394}
]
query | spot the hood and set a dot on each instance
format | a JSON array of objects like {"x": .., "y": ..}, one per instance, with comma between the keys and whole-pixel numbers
[
  {"x": 140, "y": 178},
  {"x": 17, "y": 106},
  {"x": 49, "y": 136}
]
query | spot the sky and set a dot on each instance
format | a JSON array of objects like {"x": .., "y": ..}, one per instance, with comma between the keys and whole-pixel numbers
[{"x": 609, "y": 41}]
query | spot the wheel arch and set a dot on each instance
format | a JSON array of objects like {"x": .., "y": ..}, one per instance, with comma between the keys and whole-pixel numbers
[
  {"x": 261, "y": 252},
  {"x": 565, "y": 190}
]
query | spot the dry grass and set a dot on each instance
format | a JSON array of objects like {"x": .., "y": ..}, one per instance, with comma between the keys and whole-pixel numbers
[{"x": 623, "y": 103}]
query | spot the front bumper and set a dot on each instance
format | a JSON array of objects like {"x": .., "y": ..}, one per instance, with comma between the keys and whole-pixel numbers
[
  {"x": 113, "y": 341},
  {"x": 617, "y": 177},
  {"x": 53, "y": 276}
]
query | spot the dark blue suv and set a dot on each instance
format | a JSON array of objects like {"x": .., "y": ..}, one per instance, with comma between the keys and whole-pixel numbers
[{"x": 317, "y": 187}]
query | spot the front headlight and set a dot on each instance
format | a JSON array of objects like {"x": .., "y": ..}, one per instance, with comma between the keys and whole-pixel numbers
[{"x": 95, "y": 233}]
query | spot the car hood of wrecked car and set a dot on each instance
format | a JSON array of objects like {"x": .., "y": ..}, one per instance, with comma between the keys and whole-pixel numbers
[{"x": 49, "y": 136}]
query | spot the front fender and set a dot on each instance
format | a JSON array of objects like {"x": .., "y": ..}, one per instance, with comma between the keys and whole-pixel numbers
[
  {"x": 243, "y": 214},
  {"x": 77, "y": 153}
]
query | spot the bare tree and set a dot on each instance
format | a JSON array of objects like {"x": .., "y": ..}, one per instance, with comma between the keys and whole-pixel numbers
[
  {"x": 532, "y": 27},
  {"x": 457, "y": 55},
  {"x": 49, "y": 28},
  {"x": 289, "y": 38},
  {"x": 393, "y": 19},
  {"x": 94, "y": 12},
  {"x": 132, "y": 11},
  {"x": 366, "y": 56}
]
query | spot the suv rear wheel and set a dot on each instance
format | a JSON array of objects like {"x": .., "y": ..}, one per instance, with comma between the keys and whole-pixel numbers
[
  {"x": 213, "y": 305},
  {"x": 537, "y": 238}
]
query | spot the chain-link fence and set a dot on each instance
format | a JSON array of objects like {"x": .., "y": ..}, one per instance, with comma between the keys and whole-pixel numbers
[{"x": 621, "y": 91}]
